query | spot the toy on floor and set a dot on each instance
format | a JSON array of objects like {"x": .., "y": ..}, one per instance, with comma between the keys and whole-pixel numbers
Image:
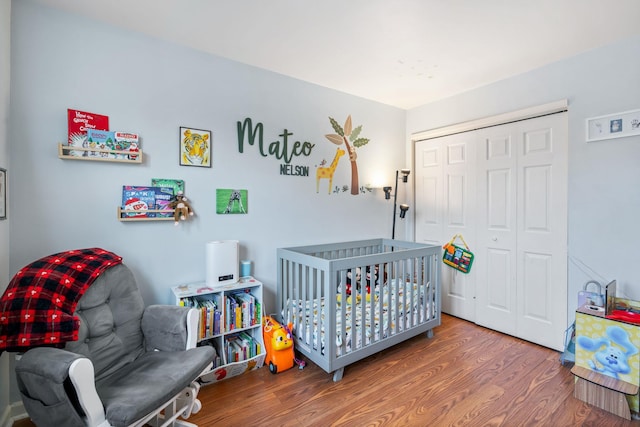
[{"x": 279, "y": 345}]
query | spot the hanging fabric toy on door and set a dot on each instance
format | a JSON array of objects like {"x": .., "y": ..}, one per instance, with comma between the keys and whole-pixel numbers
[{"x": 457, "y": 257}]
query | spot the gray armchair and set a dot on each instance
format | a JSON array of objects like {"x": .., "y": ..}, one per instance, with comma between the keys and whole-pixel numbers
[{"x": 131, "y": 365}]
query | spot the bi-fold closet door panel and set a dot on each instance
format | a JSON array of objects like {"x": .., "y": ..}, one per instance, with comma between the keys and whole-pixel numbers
[
  {"x": 444, "y": 190},
  {"x": 495, "y": 266},
  {"x": 509, "y": 199},
  {"x": 542, "y": 230}
]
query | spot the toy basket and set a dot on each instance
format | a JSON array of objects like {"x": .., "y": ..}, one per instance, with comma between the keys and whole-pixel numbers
[
  {"x": 592, "y": 296},
  {"x": 458, "y": 257}
]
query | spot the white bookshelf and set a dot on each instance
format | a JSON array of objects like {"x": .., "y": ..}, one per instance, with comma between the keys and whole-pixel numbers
[{"x": 237, "y": 341}]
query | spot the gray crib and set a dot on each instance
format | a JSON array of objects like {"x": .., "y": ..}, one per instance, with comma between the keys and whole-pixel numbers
[{"x": 349, "y": 300}]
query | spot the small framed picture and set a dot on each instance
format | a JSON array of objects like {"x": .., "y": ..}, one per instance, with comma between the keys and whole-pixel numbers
[
  {"x": 195, "y": 147},
  {"x": 231, "y": 201},
  {"x": 3, "y": 193}
]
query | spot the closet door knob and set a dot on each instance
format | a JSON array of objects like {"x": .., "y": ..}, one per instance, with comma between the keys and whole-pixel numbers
[{"x": 494, "y": 238}]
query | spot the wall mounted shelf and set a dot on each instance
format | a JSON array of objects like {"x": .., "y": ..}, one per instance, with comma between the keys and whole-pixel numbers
[
  {"x": 65, "y": 150},
  {"x": 123, "y": 215}
]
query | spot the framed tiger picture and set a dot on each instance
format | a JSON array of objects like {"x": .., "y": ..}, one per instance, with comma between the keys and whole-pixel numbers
[{"x": 195, "y": 147}]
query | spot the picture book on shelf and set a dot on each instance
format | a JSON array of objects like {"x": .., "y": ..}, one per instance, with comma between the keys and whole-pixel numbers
[
  {"x": 126, "y": 141},
  {"x": 78, "y": 123},
  {"x": 175, "y": 184},
  {"x": 99, "y": 140},
  {"x": 164, "y": 196},
  {"x": 137, "y": 200}
]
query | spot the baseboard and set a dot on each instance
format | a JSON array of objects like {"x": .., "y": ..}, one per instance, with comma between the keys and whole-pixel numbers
[
  {"x": 4, "y": 419},
  {"x": 13, "y": 413}
]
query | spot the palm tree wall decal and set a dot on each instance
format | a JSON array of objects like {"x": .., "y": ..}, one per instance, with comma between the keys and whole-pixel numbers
[{"x": 344, "y": 135}]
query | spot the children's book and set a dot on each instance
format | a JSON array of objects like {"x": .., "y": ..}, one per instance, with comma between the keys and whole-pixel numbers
[
  {"x": 99, "y": 140},
  {"x": 175, "y": 184},
  {"x": 127, "y": 141},
  {"x": 78, "y": 123},
  {"x": 216, "y": 322},
  {"x": 164, "y": 196},
  {"x": 137, "y": 200}
]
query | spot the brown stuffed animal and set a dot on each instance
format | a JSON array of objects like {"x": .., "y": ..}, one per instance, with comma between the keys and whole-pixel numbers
[{"x": 181, "y": 207}]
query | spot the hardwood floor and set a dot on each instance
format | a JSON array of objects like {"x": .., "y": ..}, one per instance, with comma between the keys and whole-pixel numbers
[{"x": 465, "y": 375}]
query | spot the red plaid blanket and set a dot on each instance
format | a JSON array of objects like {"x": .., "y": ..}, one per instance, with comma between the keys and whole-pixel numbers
[{"x": 38, "y": 305}]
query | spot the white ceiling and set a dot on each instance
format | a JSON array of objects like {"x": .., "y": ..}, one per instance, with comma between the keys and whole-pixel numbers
[{"x": 403, "y": 53}]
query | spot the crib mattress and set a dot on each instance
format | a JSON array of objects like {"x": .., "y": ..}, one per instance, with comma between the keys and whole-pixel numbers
[{"x": 402, "y": 305}]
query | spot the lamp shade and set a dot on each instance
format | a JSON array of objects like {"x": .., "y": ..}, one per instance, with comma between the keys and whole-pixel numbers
[{"x": 403, "y": 210}]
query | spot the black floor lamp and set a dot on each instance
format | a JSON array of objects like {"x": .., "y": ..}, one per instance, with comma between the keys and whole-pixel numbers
[{"x": 403, "y": 207}]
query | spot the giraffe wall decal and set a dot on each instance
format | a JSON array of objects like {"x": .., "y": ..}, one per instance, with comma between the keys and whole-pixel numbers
[{"x": 327, "y": 172}]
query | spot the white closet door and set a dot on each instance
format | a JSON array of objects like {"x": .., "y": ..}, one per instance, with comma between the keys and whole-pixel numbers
[
  {"x": 429, "y": 191},
  {"x": 522, "y": 229},
  {"x": 542, "y": 230},
  {"x": 495, "y": 263},
  {"x": 444, "y": 185},
  {"x": 505, "y": 188}
]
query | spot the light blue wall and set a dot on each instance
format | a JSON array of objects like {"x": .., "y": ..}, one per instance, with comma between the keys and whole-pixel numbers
[
  {"x": 604, "y": 196},
  {"x": 152, "y": 87}
]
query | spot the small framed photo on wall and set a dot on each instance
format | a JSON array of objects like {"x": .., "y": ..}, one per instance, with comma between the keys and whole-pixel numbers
[
  {"x": 3, "y": 193},
  {"x": 612, "y": 126},
  {"x": 231, "y": 201},
  {"x": 195, "y": 147}
]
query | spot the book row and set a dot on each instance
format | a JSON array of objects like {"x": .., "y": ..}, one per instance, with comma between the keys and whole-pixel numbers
[
  {"x": 138, "y": 200},
  {"x": 241, "y": 310},
  {"x": 241, "y": 346},
  {"x": 90, "y": 131}
]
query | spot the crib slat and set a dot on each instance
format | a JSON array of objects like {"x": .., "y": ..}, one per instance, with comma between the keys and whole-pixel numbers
[
  {"x": 363, "y": 305},
  {"x": 343, "y": 322},
  {"x": 317, "y": 301},
  {"x": 380, "y": 303}
]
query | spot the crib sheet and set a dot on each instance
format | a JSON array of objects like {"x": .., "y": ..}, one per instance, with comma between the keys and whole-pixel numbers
[{"x": 393, "y": 315}]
